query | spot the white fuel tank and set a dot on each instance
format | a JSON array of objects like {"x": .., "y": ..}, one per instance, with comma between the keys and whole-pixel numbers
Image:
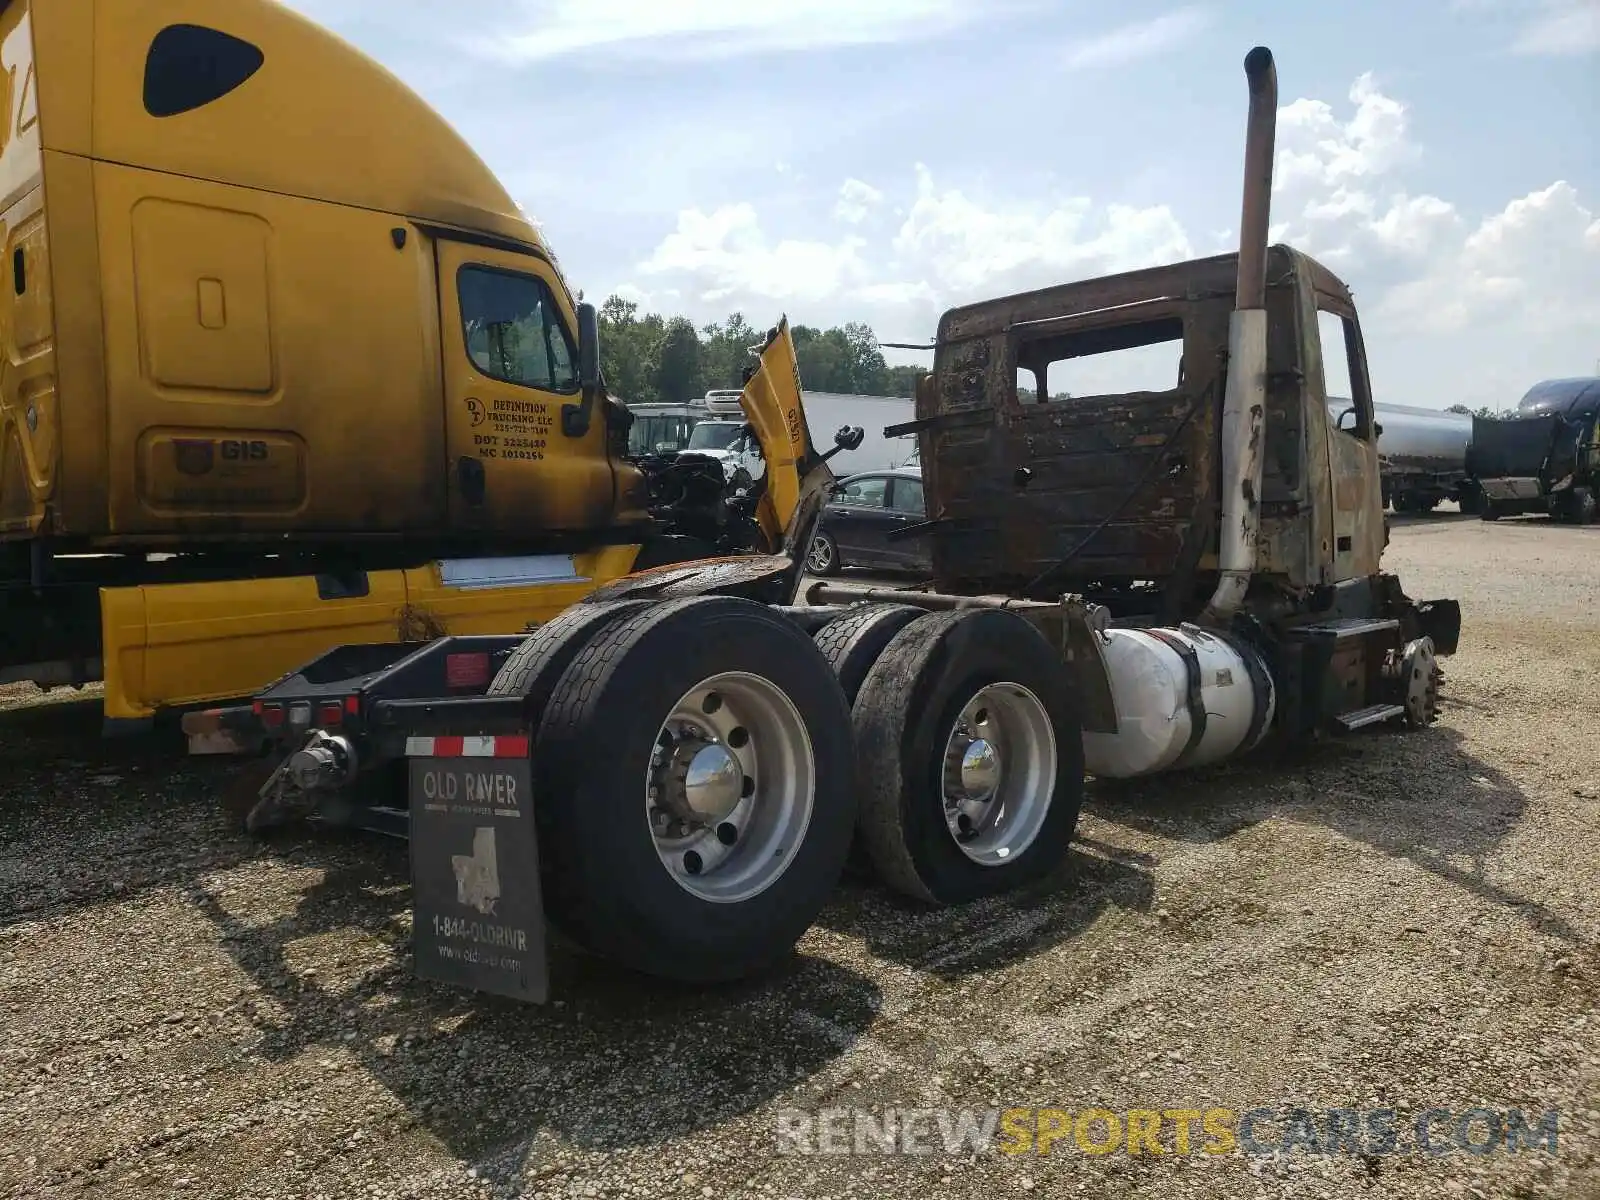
[{"x": 1184, "y": 697}]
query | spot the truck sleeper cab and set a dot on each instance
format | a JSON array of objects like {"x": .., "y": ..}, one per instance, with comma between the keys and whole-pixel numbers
[{"x": 269, "y": 315}]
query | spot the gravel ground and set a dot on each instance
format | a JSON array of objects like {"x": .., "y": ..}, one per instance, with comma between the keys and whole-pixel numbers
[{"x": 1398, "y": 921}]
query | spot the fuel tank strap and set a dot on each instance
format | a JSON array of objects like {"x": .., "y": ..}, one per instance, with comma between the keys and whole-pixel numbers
[
  {"x": 1195, "y": 700},
  {"x": 1260, "y": 681}
]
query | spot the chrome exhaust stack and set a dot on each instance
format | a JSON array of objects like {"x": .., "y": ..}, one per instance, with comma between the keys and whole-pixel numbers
[{"x": 1244, "y": 403}]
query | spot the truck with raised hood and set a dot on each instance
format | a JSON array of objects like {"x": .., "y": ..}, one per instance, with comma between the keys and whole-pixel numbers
[
  {"x": 1545, "y": 457},
  {"x": 285, "y": 365},
  {"x": 674, "y": 771}
]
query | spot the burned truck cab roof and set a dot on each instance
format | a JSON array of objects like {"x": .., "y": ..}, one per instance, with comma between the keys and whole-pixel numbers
[{"x": 1070, "y": 433}]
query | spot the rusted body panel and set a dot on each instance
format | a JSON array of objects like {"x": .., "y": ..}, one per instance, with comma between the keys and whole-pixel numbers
[{"x": 1043, "y": 497}]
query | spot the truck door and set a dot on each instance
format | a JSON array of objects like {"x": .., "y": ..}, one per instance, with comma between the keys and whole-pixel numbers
[
  {"x": 510, "y": 351},
  {"x": 1353, "y": 473}
]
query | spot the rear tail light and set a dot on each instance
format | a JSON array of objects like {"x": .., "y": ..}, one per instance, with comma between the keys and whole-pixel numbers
[
  {"x": 271, "y": 714},
  {"x": 300, "y": 714},
  {"x": 352, "y": 705},
  {"x": 331, "y": 712}
]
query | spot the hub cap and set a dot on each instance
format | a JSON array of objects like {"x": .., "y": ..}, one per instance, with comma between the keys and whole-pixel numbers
[
  {"x": 999, "y": 773},
  {"x": 729, "y": 789}
]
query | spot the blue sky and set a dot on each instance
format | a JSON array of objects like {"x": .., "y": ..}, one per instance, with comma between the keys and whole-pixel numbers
[{"x": 881, "y": 160}]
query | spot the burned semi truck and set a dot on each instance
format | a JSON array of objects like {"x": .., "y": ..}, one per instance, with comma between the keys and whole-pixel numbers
[{"x": 673, "y": 772}]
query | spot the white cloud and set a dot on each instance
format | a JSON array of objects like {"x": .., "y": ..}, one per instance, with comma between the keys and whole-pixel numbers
[
  {"x": 1456, "y": 306},
  {"x": 1530, "y": 268},
  {"x": 1556, "y": 28},
  {"x": 966, "y": 246},
  {"x": 1138, "y": 39},
  {"x": 725, "y": 256},
  {"x": 856, "y": 201},
  {"x": 711, "y": 29},
  {"x": 1565, "y": 27},
  {"x": 948, "y": 248},
  {"x": 1318, "y": 151}
]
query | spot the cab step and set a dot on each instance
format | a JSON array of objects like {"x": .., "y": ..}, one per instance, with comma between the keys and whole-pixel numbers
[{"x": 1360, "y": 718}]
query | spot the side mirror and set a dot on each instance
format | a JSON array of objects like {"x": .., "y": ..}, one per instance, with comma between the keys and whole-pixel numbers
[
  {"x": 588, "y": 346},
  {"x": 575, "y": 417},
  {"x": 1377, "y": 430},
  {"x": 849, "y": 437}
]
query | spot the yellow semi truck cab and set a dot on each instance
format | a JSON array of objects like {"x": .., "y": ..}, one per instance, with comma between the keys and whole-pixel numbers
[
  {"x": 260, "y": 290},
  {"x": 284, "y": 364}
]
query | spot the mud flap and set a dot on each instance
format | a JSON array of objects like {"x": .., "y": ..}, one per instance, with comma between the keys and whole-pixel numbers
[{"x": 477, "y": 912}]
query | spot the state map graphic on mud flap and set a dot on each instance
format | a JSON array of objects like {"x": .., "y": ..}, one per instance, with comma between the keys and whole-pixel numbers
[{"x": 478, "y": 873}]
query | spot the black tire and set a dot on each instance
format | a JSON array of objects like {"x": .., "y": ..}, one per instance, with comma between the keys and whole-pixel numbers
[
  {"x": 1489, "y": 512},
  {"x": 604, "y": 883},
  {"x": 825, "y": 550},
  {"x": 903, "y": 716},
  {"x": 534, "y": 668},
  {"x": 1581, "y": 507},
  {"x": 853, "y": 642}
]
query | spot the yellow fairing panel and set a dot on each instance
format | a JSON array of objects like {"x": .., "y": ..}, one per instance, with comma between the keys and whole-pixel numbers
[
  {"x": 185, "y": 644},
  {"x": 771, "y": 403}
]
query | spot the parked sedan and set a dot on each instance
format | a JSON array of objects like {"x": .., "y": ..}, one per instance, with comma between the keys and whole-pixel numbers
[{"x": 856, "y": 525}]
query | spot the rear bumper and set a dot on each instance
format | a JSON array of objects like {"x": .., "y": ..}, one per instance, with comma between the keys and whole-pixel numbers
[{"x": 1511, "y": 488}]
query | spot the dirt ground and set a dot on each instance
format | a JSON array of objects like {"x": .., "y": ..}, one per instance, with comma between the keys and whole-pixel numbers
[{"x": 1401, "y": 922}]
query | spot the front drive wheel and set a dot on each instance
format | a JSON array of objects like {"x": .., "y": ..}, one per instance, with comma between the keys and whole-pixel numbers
[
  {"x": 969, "y": 757},
  {"x": 824, "y": 556},
  {"x": 693, "y": 770}
]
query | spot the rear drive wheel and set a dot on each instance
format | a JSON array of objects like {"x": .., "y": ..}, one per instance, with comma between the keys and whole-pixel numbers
[
  {"x": 694, "y": 769},
  {"x": 1580, "y": 508},
  {"x": 969, "y": 757},
  {"x": 853, "y": 642},
  {"x": 1490, "y": 511},
  {"x": 534, "y": 667}
]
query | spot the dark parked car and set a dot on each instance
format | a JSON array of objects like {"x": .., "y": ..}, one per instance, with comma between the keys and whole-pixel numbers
[{"x": 857, "y": 522}]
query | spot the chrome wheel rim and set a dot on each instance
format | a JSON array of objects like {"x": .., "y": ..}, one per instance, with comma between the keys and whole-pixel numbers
[
  {"x": 999, "y": 773},
  {"x": 821, "y": 556},
  {"x": 730, "y": 787}
]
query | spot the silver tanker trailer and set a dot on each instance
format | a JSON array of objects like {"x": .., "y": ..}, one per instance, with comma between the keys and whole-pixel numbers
[{"x": 1422, "y": 454}]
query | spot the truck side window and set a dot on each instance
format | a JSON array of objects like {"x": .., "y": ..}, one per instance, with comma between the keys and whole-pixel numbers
[
  {"x": 513, "y": 331},
  {"x": 190, "y": 66},
  {"x": 1343, "y": 385}
]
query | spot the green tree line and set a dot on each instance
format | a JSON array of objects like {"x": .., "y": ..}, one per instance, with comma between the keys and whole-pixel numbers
[{"x": 648, "y": 357}]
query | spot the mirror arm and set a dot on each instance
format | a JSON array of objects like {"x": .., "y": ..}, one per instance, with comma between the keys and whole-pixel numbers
[{"x": 575, "y": 418}]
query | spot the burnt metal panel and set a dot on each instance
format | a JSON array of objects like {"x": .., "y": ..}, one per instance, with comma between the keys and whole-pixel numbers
[{"x": 1097, "y": 489}]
